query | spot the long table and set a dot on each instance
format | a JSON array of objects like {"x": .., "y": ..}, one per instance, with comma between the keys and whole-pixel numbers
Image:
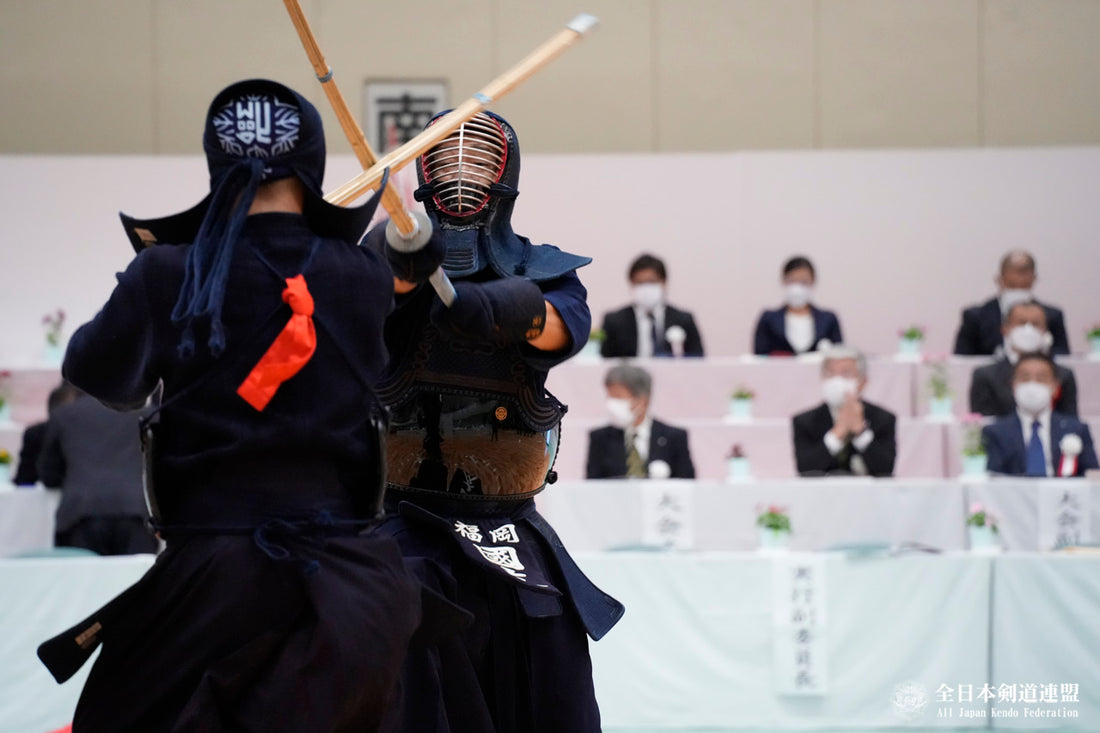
[
  {"x": 715, "y": 515},
  {"x": 713, "y": 640},
  {"x": 705, "y": 515}
]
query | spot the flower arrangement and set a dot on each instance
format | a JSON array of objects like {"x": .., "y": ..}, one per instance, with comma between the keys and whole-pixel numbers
[
  {"x": 1094, "y": 332},
  {"x": 54, "y": 322},
  {"x": 972, "y": 435},
  {"x": 742, "y": 393},
  {"x": 5, "y": 457},
  {"x": 912, "y": 333},
  {"x": 598, "y": 335},
  {"x": 938, "y": 386},
  {"x": 774, "y": 518},
  {"x": 5, "y": 377},
  {"x": 979, "y": 517}
]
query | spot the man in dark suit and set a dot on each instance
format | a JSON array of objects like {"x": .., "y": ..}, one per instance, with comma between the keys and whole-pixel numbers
[
  {"x": 845, "y": 434},
  {"x": 1035, "y": 440},
  {"x": 93, "y": 454},
  {"x": 1025, "y": 331},
  {"x": 649, "y": 326},
  {"x": 980, "y": 330},
  {"x": 635, "y": 444},
  {"x": 27, "y": 473}
]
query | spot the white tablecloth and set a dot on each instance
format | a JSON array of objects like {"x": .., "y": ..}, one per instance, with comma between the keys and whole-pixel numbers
[
  {"x": 602, "y": 515},
  {"x": 696, "y": 648},
  {"x": 26, "y": 519},
  {"x": 40, "y": 598},
  {"x": 1046, "y": 630}
]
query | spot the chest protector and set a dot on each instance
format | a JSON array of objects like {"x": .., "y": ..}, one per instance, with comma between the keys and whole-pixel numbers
[{"x": 468, "y": 418}]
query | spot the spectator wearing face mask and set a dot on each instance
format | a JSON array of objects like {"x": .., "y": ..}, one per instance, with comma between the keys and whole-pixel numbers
[
  {"x": 1036, "y": 440},
  {"x": 797, "y": 326},
  {"x": 635, "y": 445},
  {"x": 845, "y": 434},
  {"x": 980, "y": 331},
  {"x": 649, "y": 326},
  {"x": 1025, "y": 332}
]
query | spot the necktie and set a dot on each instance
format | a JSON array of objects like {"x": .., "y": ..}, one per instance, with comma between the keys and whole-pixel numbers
[
  {"x": 635, "y": 467},
  {"x": 1036, "y": 459},
  {"x": 653, "y": 332}
]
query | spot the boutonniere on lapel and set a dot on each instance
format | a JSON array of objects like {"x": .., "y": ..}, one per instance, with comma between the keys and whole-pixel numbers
[
  {"x": 659, "y": 470},
  {"x": 676, "y": 336},
  {"x": 1071, "y": 447}
]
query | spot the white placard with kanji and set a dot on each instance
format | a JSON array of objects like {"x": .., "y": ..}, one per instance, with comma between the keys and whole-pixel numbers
[
  {"x": 1064, "y": 510},
  {"x": 667, "y": 516},
  {"x": 799, "y": 624}
]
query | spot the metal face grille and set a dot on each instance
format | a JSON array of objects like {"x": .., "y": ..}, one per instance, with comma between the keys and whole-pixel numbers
[{"x": 464, "y": 165}]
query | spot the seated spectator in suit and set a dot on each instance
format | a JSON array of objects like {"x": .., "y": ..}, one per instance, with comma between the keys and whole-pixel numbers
[
  {"x": 1034, "y": 439},
  {"x": 634, "y": 441},
  {"x": 797, "y": 326},
  {"x": 93, "y": 454},
  {"x": 1025, "y": 331},
  {"x": 27, "y": 472},
  {"x": 644, "y": 327},
  {"x": 980, "y": 330},
  {"x": 845, "y": 434}
]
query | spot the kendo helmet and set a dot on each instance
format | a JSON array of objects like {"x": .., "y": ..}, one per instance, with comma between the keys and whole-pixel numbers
[
  {"x": 256, "y": 131},
  {"x": 468, "y": 187},
  {"x": 262, "y": 120},
  {"x": 463, "y": 167}
]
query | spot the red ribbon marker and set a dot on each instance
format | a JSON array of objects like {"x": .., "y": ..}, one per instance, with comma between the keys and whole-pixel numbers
[{"x": 288, "y": 353}]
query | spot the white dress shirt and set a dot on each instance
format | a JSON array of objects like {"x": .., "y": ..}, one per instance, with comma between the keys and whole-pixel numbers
[
  {"x": 1044, "y": 435},
  {"x": 645, "y": 338},
  {"x": 799, "y": 330}
]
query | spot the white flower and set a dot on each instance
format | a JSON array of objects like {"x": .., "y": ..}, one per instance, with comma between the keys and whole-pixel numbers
[
  {"x": 1071, "y": 445},
  {"x": 659, "y": 470},
  {"x": 676, "y": 335}
]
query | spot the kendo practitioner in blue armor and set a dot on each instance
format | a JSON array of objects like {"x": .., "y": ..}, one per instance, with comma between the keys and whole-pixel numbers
[
  {"x": 272, "y": 607},
  {"x": 472, "y": 438}
]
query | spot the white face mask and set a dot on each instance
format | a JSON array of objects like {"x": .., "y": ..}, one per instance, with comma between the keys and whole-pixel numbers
[
  {"x": 621, "y": 411},
  {"x": 648, "y": 296},
  {"x": 1010, "y": 298},
  {"x": 836, "y": 389},
  {"x": 797, "y": 295},
  {"x": 1027, "y": 339},
  {"x": 1032, "y": 397}
]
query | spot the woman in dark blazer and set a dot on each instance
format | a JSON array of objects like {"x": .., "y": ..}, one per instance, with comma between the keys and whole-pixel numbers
[{"x": 797, "y": 326}]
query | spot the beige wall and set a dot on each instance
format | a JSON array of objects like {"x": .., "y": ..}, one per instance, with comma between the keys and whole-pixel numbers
[{"x": 135, "y": 76}]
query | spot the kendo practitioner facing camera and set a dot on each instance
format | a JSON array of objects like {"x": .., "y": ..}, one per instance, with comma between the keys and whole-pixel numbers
[
  {"x": 263, "y": 320},
  {"x": 472, "y": 438}
]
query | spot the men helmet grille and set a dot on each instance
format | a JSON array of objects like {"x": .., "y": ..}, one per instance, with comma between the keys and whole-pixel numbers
[{"x": 465, "y": 164}]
